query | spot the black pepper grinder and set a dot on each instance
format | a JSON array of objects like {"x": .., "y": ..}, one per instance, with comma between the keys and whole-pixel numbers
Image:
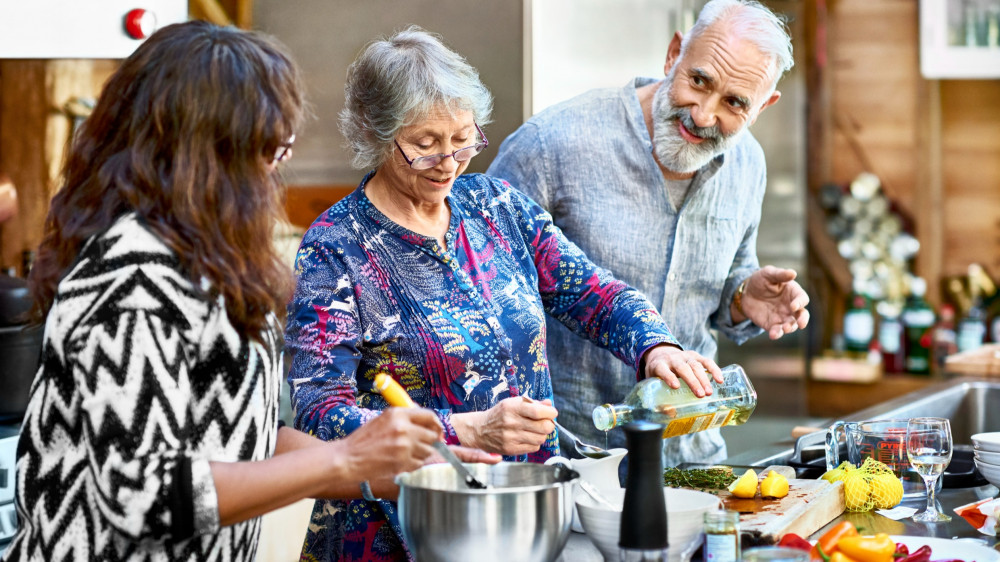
[{"x": 643, "y": 532}]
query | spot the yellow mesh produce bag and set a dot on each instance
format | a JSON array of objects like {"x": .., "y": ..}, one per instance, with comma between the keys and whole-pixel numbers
[{"x": 872, "y": 486}]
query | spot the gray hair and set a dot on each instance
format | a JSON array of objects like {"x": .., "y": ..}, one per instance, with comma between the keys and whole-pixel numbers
[
  {"x": 755, "y": 23},
  {"x": 399, "y": 80}
]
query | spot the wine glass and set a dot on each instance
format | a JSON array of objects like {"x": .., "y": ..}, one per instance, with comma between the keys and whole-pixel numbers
[{"x": 928, "y": 447}]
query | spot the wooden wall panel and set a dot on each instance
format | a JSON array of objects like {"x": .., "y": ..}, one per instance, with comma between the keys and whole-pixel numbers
[
  {"x": 970, "y": 145},
  {"x": 874, "y": 71},
  {"x": 304, "y": 203}
]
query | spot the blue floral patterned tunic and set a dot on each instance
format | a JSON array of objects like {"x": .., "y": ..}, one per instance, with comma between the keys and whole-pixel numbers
[{"x": 460, "y": 328}]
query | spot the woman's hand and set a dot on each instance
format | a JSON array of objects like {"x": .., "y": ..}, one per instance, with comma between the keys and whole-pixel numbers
[
  {"x": 673, "y": 364},
  {"x": 514, "y": 426},
  {"x": 397, "y": 440}
]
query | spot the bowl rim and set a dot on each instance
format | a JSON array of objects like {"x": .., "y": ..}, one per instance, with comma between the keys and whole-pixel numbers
[
  {"x": 586, "y": 502},
  {"x": 492, "y": 491}
]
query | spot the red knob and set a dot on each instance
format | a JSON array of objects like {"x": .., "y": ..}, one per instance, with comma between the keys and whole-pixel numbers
[{"x": 139, "y": 23}]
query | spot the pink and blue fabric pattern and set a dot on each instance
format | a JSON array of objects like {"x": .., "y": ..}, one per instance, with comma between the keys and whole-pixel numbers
[{"x": 461, "y": 328}]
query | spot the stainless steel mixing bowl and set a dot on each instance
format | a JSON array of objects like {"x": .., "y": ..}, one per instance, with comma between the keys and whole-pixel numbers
[{"x": 524, "y": 515}]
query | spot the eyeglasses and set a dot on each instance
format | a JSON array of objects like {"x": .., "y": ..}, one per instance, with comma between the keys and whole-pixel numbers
[
  {"x": 460, "y": 155},
  {"x": 284, "y": 151}
]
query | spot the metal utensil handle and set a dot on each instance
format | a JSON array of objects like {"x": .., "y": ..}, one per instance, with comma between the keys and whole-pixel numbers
[
  {"x": 396, "y": 395},
  {"x": 566, "y": 432},
  {"x": 470, "y": 480}
]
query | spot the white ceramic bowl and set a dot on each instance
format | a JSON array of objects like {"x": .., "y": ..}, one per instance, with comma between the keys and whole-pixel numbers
[
  {"x": 601, "y": 473},
  {"x": 989, "y": 442},
  {"x": 685, "y": 509},
  {"x": 987, "y": 457},
  {"x": 990, "y": 472}
]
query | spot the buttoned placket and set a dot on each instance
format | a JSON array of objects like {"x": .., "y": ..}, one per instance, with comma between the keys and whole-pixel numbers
[
  {"x": 671, "y": 291},
  {"x": 466, "y": 284}
]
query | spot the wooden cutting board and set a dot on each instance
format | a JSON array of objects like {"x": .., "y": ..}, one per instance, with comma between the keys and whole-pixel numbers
[{"x": 809, "y": 505}]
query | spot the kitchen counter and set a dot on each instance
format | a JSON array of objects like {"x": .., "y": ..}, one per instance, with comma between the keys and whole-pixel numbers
[
  {"x": 948, "y": 500},
  {"x": 967, "y": 401},
  {"x": 580, "y": 549}
]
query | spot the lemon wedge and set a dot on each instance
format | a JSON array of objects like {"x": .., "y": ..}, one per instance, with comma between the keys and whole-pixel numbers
[
  {"x": 774, "y": 486},
  {"x": 745, "y": 486}
]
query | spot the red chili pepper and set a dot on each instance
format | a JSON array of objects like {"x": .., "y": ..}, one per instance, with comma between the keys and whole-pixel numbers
[
  {"x": 792, "y": 540},
  {"x": 922, "y": 554}
]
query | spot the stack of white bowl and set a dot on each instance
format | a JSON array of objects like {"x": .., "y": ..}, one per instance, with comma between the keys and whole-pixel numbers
[{"x": 987, "y": 455}]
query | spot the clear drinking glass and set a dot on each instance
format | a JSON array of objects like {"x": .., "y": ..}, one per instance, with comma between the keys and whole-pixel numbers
[{"x": 928, "y": 446}]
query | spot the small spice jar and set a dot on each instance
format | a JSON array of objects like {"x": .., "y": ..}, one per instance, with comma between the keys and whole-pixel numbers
[{"x": 722, "y": 536}]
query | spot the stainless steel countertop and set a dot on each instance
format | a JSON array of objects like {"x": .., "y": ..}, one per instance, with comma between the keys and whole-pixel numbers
[{"x": 948, "y": 500}]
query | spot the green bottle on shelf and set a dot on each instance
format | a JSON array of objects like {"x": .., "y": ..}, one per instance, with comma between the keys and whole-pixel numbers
[
  {"x": 678, "y": 409},
  {"x": 859, "y": 323},
  {"x": 918, "y": 320}
]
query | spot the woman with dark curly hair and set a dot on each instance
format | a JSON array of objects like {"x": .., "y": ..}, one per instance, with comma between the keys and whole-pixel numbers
[{"x": 152, "y": 428}]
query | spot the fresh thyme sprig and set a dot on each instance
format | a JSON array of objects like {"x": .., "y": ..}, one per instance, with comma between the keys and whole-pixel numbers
[{"x": 699, "y": 478}]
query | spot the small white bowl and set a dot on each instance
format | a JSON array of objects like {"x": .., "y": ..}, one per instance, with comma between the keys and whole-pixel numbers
[
  {"x": 990, "y": 472},
  {"x": 989, "y": 442},
  {"x": 685, "y": 509},
  {"x": 987, "y": 457}
]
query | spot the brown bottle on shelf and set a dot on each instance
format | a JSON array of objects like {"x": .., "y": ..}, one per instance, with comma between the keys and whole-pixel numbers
[{"x": 890, "y": 338}]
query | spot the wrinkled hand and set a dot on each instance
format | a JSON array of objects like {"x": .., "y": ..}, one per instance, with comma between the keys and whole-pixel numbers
[
  {"x": 514, "y": 426},
  {"x": 773, "y": 300},
  {"x": 673, "y": 364},
  {"x": 397, "y": 440}
]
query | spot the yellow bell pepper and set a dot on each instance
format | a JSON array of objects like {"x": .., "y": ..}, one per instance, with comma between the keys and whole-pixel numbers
[
  {"x": 879, "y": 548},
  {"x": 839, "y": 556}
]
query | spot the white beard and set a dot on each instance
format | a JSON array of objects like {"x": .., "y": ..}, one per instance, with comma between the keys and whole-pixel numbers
[{"x": 674, "y": 152}]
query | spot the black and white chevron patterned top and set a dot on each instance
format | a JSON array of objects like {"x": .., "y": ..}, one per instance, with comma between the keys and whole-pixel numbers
[{"x": 142, "y": 382}]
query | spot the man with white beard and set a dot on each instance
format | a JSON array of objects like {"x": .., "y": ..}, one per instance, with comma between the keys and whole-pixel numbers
[{"x": 661, "y": 183}]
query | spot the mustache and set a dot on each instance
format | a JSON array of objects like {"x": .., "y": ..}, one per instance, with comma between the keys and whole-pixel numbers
[{"x": 712, "y": 133}]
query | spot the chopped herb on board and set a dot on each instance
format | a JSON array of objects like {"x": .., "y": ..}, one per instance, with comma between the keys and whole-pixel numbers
[{"x": 698, "y": 478}]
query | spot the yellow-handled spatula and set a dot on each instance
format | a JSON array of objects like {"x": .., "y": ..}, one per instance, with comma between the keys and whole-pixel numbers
[{"x": 396, "y": 396}]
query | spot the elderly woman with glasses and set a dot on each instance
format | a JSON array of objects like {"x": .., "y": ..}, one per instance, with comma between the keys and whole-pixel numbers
[{"x": 442, "y": 281}]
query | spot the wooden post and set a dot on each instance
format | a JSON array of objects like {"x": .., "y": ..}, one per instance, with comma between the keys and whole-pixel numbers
[{"x": 929, "y": 193}]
